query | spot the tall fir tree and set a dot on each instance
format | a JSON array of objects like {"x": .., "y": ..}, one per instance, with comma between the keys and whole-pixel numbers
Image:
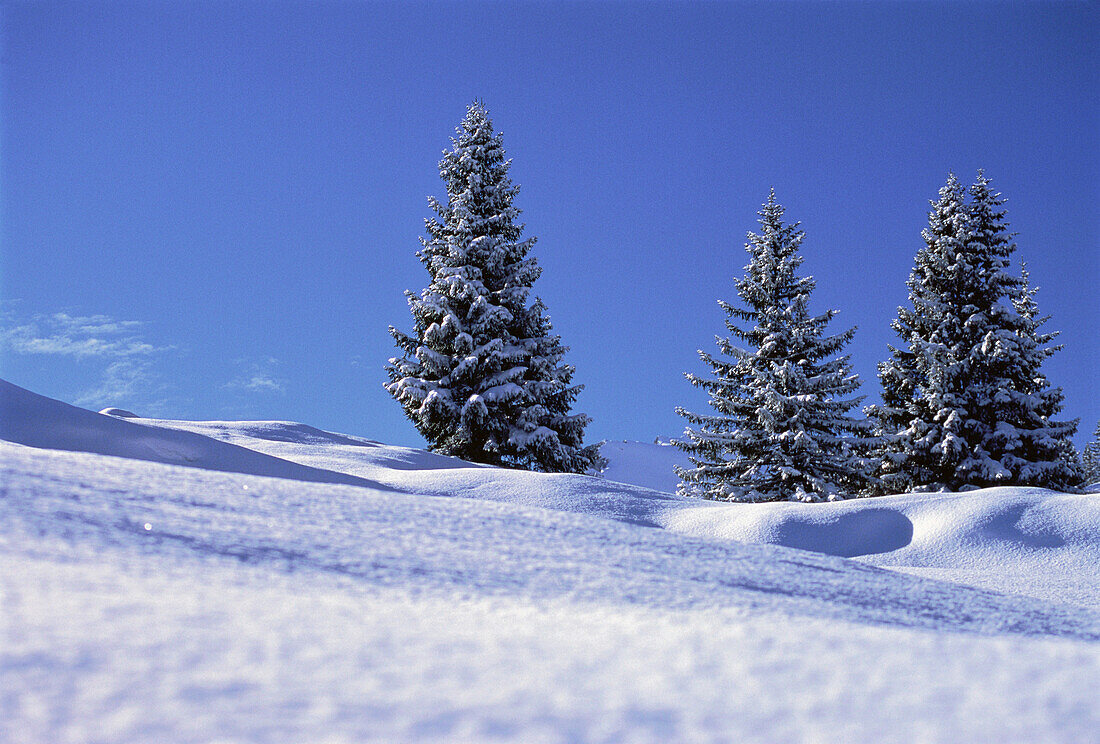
[
  {"x": 482, "y": 376},
  {"x": 780, "y": 428},
  {"x": 964, "y": 400},
  {"x": 903, "y": 421}
]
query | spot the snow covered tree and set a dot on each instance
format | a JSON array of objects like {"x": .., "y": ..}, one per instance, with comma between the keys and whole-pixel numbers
[
  {"x": 780, "y": 429},
  {"x": 1038, "y": 450},
  {"x": 482, "y": 376},
  {"x": 1090, "y": 460},
  {"x": 964, "y": 400},
  {"x": 905, "y": 420}
]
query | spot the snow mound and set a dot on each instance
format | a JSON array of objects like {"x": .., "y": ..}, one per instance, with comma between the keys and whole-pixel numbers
[
  {"x": 436, "y": 544},
  {"x": 119, "y": 412},
  {"x": 324, "y": 449},
  {"x": 227, "y": 607},
  {"x": 848, "y": 533},
  {"x": 1023, "y": 540},
  {"x": 36, "y": 421},
  {"x": 428, "y": 599}
]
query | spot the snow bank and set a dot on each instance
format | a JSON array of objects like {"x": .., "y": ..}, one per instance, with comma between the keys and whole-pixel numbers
[
  {"x": 120, "y": 412},
  {"x": 220, "y": 606},
  {"x": 1024, "y": 540},
  {"x": 429, "y": 599},
  {"x": 1019, "y": 540},
  {"x": 1028, "y": 541},
  {"x": 36, "y": 421},
  {"x": 419, "y": 472}
]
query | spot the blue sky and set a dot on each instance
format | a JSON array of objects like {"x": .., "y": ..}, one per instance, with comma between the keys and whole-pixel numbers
[{"x": 211, "y": 210}]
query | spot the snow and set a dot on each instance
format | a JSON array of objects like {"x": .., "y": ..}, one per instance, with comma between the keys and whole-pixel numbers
[
  {"x": 1026, "y": 541},
  {"x": 37, "y": 421},
  {"x": 427, "y": 599},
  {"x": 120, "y": 412}
]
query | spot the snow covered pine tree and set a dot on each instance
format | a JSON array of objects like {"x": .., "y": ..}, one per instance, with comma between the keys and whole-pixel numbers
[
  {"x": 482, "y": 377},
  {"x": 964, "y": 401},
  {"x": 1090, "y": 460},
  {"x": 781, "y": 429}
]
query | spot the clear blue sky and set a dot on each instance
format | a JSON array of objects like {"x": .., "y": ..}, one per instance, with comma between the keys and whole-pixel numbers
[{"x": 212, "y": 210}]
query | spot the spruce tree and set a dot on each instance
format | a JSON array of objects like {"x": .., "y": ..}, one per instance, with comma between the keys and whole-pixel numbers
[
  {"x": 780, "y": 428},
  {"x": 481, "y": 376},
  {"x": 1090, "y": 460},
  {"x": 1035, "y": 447},
  {"x": 964, "y": 401},
  {"x": 903, "y": 421}
]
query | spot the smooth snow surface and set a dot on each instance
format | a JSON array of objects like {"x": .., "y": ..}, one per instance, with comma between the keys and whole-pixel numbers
[
  {"x": 37, "y": 421},
  {"x": 1020, "y": 540},
  {"x": 442, "y": 601}
]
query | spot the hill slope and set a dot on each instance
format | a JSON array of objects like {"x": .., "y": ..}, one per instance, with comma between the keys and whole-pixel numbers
[{"x": 151, "y": 602}]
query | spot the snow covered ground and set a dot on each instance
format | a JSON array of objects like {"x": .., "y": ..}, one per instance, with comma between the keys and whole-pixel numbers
[{"x": 158, "y": 584}]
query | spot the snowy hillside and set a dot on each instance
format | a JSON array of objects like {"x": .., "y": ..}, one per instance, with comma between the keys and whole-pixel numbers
[{"x": 377, "y": 593}]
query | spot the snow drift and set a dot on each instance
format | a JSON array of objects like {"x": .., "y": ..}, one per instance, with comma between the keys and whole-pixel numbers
[
  {"x": 37, "y": 421},
  {"x": 426, "y": 599}
]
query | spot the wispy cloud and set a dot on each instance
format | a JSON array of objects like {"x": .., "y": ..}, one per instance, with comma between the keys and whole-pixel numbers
[
  {"x": 77, "y": 336},
  {"x": 258, "y": 377},
  {"x": 125, "y": 381},
  {"x": 116, "y": 350},
  {"x": 262, "y": 383}
]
